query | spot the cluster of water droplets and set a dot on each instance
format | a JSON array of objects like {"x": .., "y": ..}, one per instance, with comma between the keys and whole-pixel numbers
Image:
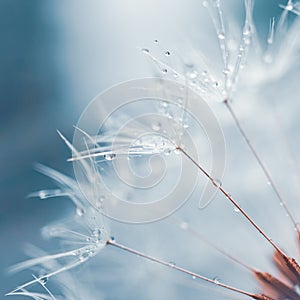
[{"x": 153, "y": 144}]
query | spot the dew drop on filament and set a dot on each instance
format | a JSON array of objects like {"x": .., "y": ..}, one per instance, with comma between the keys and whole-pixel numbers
[
  {"x": 172, "y": 264},
  {"x": 156, "y": 126},
  {"x": 44, "y": 280},
  {"x": 216, "y": 280},
  {"x": 145, "y": 51},
  {"x": 221, "y": 36},
  {"x": 236, "y": 209},
  {"x": 79, "y": 211},
  {"x": 110, "y": 156}
]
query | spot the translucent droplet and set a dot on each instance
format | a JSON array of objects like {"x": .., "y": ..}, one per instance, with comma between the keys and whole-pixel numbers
[
  {"x": 110, "y": 156},
  {"x": 218, "y": 182},
  {"x": 42, "y": 195},
  {"x": 247, "y": 30},
  {"x": 172, "y": 264},
  {"x": 216, "y": 280},
  {"x": 156, "y": 41},
  {"x": 193, "y": 277},
  {"x": 193, "y": 74},
  {"x": 226, "y": 71},
  {"x": 167, "y": 53},
  {"x": 185, "y": 125},
  {"x": 83, "y": 256},
  {"x": 156, "y": 126},
  {"x": 289, "y": 6},
  {"x": 112, "y": 239},
  {"x": 177, "y": 151},
  {"x": 79, "y": 211},
  {"x": 221, "y": 36},
  {"x": 164, "y": 71},
  {"x": 167, "y": 151},
  {"x": 96, "y": 232},
  {"x": 145, "y": 50},
  {"x": 236, "y": 209},
  {"x": 44, "y": 280}
]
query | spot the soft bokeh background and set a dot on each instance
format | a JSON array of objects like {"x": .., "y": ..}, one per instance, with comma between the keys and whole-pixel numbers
[{"x": 55, "y": 57}]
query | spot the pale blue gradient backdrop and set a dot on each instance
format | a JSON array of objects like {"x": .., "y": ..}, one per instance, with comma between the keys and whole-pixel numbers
[{"x": 55, "y": 57}]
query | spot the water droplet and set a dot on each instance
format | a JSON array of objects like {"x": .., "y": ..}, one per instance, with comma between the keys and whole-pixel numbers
[
  {"x": 79, "y": 211},
  {"x": 205, "y": 3},
  {"x": 112, "y": 239},
  {"x": 164, "y": 71},
  {"x": 236, "y": 209},
  {"x": 99, "y": 202},
  {"x": 216, "y": 280},
  {"x": 193, "y": 74},
  {"x": 44, "y": 280},
  {"x": 145, "y": 50},
  {"x": 42, "y": 195},
  {"x": 185, "y": 125},
  {"x": 218, "y": 182},
  {"x": 177, "y": 151},
  {"x": 164, "y": 104},
  {"x": 167, "y": 53},
  {"x": 156, "y": 126},
  {"x": 226, "y": 71},
  {"x": 167, "y": 151},
  {"x": 96, "y": 232},
  {"x": 289, "y": 6},
  {"x": 83, "y": 256},
  {"x": 156, "y": 41},
  {"x": 110, "y": 156},
  {"x": 221, "y": 36},
  {"x": 247, "y": 31},
  {"x": 172, "y": 264},
  {"x": 193, "y": 277}
]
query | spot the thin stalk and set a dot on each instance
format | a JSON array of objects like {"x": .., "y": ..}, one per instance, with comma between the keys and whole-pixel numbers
[
  {"x": 196, "y": 234},
  {"x": 262, "y": 166},
  {"x": 229, "y": 197},
  {"x": 185, "y": 271}
]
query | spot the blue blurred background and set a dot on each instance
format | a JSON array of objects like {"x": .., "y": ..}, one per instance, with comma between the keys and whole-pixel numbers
[{"x": 55, "y": 57}]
